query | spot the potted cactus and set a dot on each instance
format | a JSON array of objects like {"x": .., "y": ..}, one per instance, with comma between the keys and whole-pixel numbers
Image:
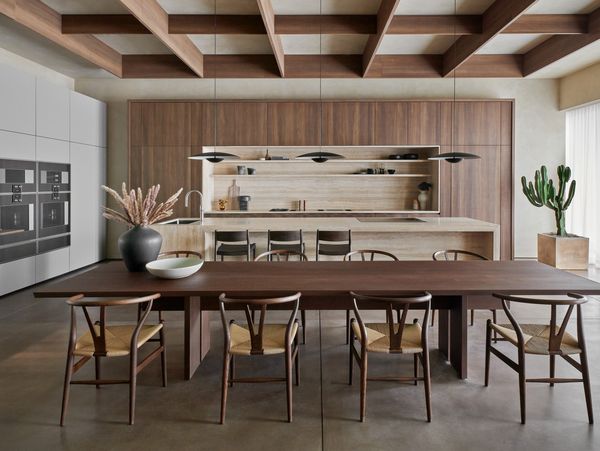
[{"x": 560, "y": 250}]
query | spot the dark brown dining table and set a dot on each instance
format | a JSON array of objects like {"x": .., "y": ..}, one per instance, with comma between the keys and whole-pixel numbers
[{"x": 456, "y": 286}]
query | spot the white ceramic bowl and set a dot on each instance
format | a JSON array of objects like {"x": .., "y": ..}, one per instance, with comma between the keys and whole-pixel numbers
[{"x": 174, "y": 268}]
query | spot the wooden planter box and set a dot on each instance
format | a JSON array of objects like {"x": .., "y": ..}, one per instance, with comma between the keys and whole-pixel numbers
[{"x": 568, "y": 252}]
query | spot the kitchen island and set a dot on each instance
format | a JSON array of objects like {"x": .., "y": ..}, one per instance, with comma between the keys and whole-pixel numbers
[{"x": 409, "y": 238}]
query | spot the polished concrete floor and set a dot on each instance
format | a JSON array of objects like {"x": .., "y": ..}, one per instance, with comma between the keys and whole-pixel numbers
[{"x": 466, "y": 415}]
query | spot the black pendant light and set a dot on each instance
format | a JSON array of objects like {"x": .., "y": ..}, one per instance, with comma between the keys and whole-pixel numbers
[
  {"x": 454, "y": 157},
  {"x": 320, "y": 156}
]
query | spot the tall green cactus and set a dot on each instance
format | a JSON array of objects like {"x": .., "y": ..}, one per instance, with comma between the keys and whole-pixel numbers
[{"x": 541, "y": 192}]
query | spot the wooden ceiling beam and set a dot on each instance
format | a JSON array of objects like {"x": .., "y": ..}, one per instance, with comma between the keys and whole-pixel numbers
[
  {"x": 548, "y": 24},
  {"x": 437, "y": 25},
  {"x": 102, "y": 24},
  {"x": 268, "y": 16},
  {"x": 43, "y": 20},
  {"x": 155, "y": 19},
  {"x": 385, "y": 14},
  {"x": 329, "y": 24},
  {"x": 558, "y": 47},
  {"x": 496, "y": 18},
  {"x": 224, "y": 23}
]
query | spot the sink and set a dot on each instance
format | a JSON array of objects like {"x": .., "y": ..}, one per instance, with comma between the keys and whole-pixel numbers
[
  {"x": 180, "y": 221},
  {"x": 389, "y": 219}
]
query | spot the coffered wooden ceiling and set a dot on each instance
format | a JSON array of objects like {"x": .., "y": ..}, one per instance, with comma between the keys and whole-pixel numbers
[{"x": 312, "y": 38}]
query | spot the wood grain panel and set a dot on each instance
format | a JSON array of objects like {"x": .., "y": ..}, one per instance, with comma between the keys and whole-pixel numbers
[
  {"x": 136, "y": 128},
  {"x": 202, "y": 124},
  {"x": 477, "y": 123},
  {"x": 506, "y": 124},
  {"x": 506, "y": 202},
  {"x": 241, "y": 124},
  {"x": 166, "y": 124},
  {"x": 391, "y": 123},
  {"x": 348, "y": 123},
  {"x": 424, "y": 123},
  {"x": 294, "y": 124}
]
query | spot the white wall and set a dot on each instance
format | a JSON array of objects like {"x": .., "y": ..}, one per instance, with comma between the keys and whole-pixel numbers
[
  {"x": 539, "y": 133},
  {"x": 35, "y": 69}
]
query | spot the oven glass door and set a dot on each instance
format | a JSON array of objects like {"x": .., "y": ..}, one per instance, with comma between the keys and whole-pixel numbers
[
  {"x": 17, "y": 218},
  {"x": 54, "y": 214}
]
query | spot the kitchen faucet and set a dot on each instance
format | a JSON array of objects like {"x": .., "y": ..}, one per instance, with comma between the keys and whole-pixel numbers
[{"x": 187, "y": 203}]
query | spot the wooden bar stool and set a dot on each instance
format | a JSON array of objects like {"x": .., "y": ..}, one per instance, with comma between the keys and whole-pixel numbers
[
  {"x": 284, "y": 255},
  {"x": 289, "y": 240},
  {"x": 234, "y": 244},
  {"x": 542, "y": 339},
  {"x": 365, "y": 255},
  {"x": 391, "y": 338},
  {"x": 102, "y": 340},
  {"x": 254, "y": 339}
]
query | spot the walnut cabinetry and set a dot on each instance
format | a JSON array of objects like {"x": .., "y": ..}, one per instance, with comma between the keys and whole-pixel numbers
[
  {"x": 241, "y": 124},
  {"x": 294, "y": 124},
  {"x": 348, "y": 123}
]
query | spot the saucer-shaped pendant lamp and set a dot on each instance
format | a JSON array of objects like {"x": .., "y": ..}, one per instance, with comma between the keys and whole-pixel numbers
[
  {"x": 320, "y": 157},
  {"x": 214, "y": 157},
  {"x": 454, "y": 157}
]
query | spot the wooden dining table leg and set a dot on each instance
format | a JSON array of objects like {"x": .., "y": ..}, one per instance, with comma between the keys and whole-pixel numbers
[
  {"x": 444, "y": 333},
  {"x": 459, "y": 335},
  {"x": 196, "y": 335}
]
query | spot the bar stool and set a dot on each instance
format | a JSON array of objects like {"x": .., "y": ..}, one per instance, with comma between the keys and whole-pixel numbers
[
  {"x": 284, "y": 255},
  {"x": 289, "y": 240},
  {"x": 542, "y": 339},
  {"x": 337, "y": 243},
  {"x": 231, "y": 247}
]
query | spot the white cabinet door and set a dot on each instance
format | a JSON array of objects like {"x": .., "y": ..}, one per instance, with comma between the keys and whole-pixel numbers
[
  {"x": 52, "y": 150},
  {"x": 17, "y": 100},
  {"x": 16, "y": 146},
  {"x": 83, "y": 223},
  {"x": 100, "y": 179},
  {"x": 51, "y": 264},
  {"x": 88, "y": 120},
  {"x": 16, "y": 275},
  {"x": 52, "y": 110}
]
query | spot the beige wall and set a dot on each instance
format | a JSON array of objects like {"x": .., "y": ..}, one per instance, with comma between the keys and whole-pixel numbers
[
  {"x": 580, "y": 88},
  {"x": 539, "y": 134}
]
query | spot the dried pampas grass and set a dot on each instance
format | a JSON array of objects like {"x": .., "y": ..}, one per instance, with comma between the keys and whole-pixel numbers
[{"x": 138, "y": 211}]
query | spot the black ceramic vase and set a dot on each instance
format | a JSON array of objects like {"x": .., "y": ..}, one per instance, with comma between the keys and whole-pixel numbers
[{"x": 138, "y": 246}]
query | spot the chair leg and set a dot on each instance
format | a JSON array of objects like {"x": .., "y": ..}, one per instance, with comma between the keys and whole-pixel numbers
[
  {"x": 98, "y": 370},
  {"x": 224, "y": 385},
  {"x": 132, "y": 385},
  {"x": 66, "y": 388},
  {"x": 495, "y": 320},
  {"x": 472, "y": 316},
  {"x": 297, "y": 362},
  {"x": 163, "y": 357},
  {"x": 552, "y": 367},
  {"x": 288, "y": 381},
  {"x": 432, "y": 317},
  {"x": 427, "y": 379},
  {"x": 415, "y": 368},
  {"x": 303, "y": 319},
  {"x": 585, "y": 371},
  {"x": 488, "y": 345},
  {"x": 363, "y": 385},
  {"x": 347, "y": 326},
  {"x": 522, "y": 384},
  {"x": 231, "y": 370},
  {"x": 350, "y": 357}
]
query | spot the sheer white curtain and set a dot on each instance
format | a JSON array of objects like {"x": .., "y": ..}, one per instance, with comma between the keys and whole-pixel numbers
[{"x": 583, "y": 156}]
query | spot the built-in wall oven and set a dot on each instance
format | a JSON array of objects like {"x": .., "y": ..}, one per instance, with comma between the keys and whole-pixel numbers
[
  {"x": 17, "y": 209},
  {"x": 54, "y": 211}
]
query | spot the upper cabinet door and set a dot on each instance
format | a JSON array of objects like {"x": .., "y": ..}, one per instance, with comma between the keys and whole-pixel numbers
[
  {"x": 391, "y": 119},
  {"x": 161, "y": 124},
  {"x": 294, "y": 124},
  {"x": 241, "y": 124},
  {"x": 17, "y": 104},
  {"x": 52, "y": 111},
  {"x": 478, "y": 123},
  {"x": 87, "y": 120},
  {"x": 348, "y": 123},
  {"x": 424, "y": 123},
  {"x": 202, "y": 125}
]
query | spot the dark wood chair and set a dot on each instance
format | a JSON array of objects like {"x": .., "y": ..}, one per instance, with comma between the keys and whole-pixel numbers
[
  {"x": 233, "y": 244},
  {"x": 289, "y": 240},
  {"x": 333, "y": 243},
  {"x": 284, "y": 255},
  {"x": 542, "y": 339},
  {"x": 102, "y": 340},
  {"x": 455, "y": 255},
  {"x": 175, "y": 254},
  {"x": 259, "y": 339},
  {"x": 391, "y": 337},
  {"x": 364, "y": 255}
]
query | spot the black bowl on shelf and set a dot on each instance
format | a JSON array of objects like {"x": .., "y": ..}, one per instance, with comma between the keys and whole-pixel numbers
[
  {"x": 395, "y": 157},
  {"x": 410, "y": 156}
]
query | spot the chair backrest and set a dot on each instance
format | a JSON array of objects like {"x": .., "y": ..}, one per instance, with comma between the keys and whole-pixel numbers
[
  {"x": 334, "y": 235},
  {"x": 281, "y": 255},
  {"x": 571, "y": 300},
  {"x": 285, "y": 236},
  {"x": 261, "y": 305},
  {"x": 369, "y": 255},
  {"x": 176, "y": 254},
  {"x": 232, "y": 236},
  {"x": 455, "y": 254},
  {"x": 98, "y": 328},
  {"x": 396, "y": 304}
]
